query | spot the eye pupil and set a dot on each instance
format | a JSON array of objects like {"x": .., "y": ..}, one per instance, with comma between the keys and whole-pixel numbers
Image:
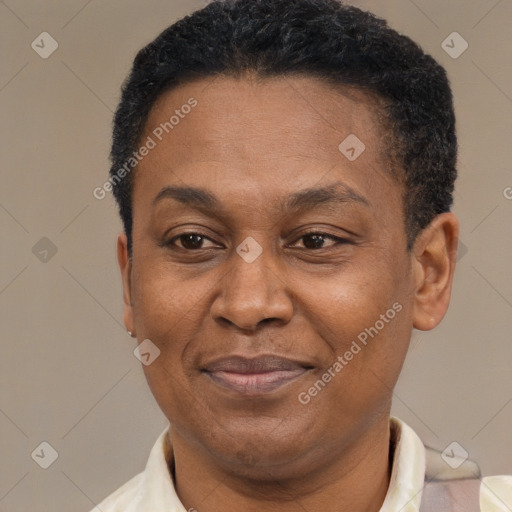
[
  {"x": 191, "y": 241},
  {"x": 318, "y": 241}
]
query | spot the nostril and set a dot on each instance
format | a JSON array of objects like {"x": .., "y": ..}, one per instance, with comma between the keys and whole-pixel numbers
[{"x": 268, "y": 320}]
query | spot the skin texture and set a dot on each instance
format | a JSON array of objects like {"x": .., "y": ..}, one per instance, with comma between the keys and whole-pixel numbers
[{"x": 253, "y": 143}]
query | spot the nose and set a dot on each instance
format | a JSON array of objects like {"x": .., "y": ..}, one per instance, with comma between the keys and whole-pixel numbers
[{"x": 252, "y": 294}]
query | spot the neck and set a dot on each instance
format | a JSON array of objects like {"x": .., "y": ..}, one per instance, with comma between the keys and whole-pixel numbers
[{"x": 355, "y": 479}]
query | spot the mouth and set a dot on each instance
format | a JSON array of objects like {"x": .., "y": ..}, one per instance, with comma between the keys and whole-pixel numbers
[{"x": 254, "y": 376}]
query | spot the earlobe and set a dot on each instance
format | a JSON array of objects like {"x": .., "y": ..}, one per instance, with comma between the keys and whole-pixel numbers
[
  {"x": 435, "y": 254},
  {"x": 125, "y": 266}
]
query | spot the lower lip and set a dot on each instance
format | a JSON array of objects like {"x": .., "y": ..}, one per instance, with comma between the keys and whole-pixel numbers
[{"x": 255, "y": 383}]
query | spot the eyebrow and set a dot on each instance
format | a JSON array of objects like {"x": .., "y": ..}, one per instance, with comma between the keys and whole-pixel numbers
[
  {"x": 335, "y": 193},
  {"x": 302, "y": 200}
]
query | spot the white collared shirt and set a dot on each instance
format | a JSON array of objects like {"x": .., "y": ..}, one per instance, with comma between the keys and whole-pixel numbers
[{"x": 153, "y": 489}]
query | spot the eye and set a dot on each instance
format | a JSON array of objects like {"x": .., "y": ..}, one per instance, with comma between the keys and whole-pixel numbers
[
  {"x": 316, "y": 240},
  {"x": 313, "y": 240},
  {"x": 188, "y": 241}
]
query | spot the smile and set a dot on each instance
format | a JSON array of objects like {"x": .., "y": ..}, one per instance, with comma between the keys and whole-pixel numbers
[{"x": 255, "y": 376}]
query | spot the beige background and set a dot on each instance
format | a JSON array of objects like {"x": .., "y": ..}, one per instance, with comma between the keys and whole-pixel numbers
[{"x": 67, "y": 371}]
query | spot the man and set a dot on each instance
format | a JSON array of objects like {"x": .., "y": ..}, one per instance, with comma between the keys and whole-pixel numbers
[{"x": 284, "y": 171}]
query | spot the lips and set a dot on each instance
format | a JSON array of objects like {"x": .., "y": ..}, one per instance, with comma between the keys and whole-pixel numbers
[{"x": 253, "y": 376}]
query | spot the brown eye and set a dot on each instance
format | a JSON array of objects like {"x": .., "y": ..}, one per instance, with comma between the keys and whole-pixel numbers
[
  {"x": 191, "y": 241},
  {"x": 188, "y": 241},
  {"x": 316, "y": 240}
]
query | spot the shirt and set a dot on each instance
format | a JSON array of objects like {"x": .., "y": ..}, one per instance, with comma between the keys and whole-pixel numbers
[{"x": 153, "y": 489}]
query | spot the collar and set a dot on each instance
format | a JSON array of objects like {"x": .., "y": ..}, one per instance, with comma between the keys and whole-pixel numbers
[
  {"x": 156, "y": 488},
  {"x": 408, "y": 471}
]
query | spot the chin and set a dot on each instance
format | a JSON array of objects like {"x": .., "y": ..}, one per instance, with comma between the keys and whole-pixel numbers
[{"x": 261, "y": 453}]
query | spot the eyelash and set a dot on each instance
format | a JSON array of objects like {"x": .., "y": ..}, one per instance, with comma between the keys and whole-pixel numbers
[{"x": 338, "y": 240}]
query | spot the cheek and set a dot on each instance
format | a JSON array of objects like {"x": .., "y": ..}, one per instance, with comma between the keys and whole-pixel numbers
[
  {"x": 167, "y": 312},
  {"x": 163, "y": 302},
  {"x": 352, "y": 300},
  {"x": 364, "y": 316}
]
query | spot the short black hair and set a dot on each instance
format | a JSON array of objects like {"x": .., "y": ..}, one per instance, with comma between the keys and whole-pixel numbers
[{"x": 319, "y": 38}]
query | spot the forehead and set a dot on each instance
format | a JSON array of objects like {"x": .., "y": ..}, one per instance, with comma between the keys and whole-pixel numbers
[
  {"x": 267, "y": 135},
  {"x": 279, "y": 111}
]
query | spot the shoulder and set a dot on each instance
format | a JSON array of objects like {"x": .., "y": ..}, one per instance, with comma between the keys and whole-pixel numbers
[
  {"x": 123, "y": 498},
  {"x": 148, "y": 487},
  {"x": 458, "y": 476},
  {"x": 496, "y": 493}
]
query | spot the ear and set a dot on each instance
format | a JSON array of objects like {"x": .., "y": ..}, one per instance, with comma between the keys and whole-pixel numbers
[
  {"x": 435, "y": 255},
  {"x": 125, "y": 265}
]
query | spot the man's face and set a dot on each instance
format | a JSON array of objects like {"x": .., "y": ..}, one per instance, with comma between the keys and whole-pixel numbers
[{"x": 272, "y": 267}]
